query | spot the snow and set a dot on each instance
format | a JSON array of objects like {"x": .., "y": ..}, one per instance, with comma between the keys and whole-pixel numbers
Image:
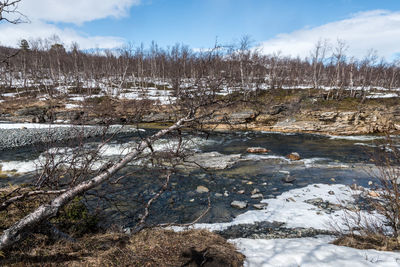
[
  {"x": 18, "y": 166},
  {"x": 31, "y": 125},
  {"x": 107, "y": 152},
  {"x": 315, "y": 162},
  {"x": 382, "y": 95},
  {"x": 356, "y": 137},
  {"x": 290, "y": 208},
  {"x": 151, "y": 93},
  {"x": 72, "y": 106},
  {"x": 310, "y": 252}
]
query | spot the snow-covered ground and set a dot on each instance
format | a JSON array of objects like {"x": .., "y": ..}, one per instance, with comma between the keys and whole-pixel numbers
[
  {"x": 310, "y": 252},
  {"x": 163, "y": 96},
  {"x": 292, "y": 208}
]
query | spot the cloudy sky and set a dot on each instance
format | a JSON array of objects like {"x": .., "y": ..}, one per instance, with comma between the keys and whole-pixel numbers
[{"x": 289, "y": 26}]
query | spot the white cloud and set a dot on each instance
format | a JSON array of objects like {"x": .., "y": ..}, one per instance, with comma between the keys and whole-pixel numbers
[
  {"x": 43, "y": 13},
  {"x": 377, "y": 29},
  {"x": 11, "y": 35},
  {"x": 75, "y": 11}
]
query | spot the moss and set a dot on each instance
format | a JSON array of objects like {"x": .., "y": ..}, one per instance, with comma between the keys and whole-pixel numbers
[{"x": 76, "y": 219}]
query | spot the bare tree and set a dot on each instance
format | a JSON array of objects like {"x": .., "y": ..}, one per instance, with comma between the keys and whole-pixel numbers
[
  {"x": 318, "y": 57},
  {"x": 10, "y": 13}
]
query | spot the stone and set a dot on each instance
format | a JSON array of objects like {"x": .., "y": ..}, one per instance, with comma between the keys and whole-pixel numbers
[
  {"x": 275, "y": 110},
  {"x": 241, "y": 117},
  {"x": 288, "y": 179},
  {"x": 370, "y": 183},
  {"x": 314, "y": 201},
  {"x": 260, "y": 206},
  {"x": 290, "y": 199},
  {"x": 294, "y": 156},
  {"x": 328, "y": 116},
  {"x": 226, "y": 194},
  {"x": 241, "y": 192},
  {"x": 357, "y": 187},
  {"x": 218, "y": 194},
  {"x": 257, "y": 150},
  {"x": 239, "y": 204},
  {"x": 257, "y": 196},
  {"x": 373, "y": 194},
  {"x": 255, "y": 191},
  {"x": 202, "y": 189},
  {"x": 331, "y": 192},
  {"x": 212, "y": 160},
  {"x": 249, "y": 183}
]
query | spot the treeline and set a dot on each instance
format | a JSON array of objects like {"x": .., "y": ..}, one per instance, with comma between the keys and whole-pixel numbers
[{"x": 47, "y": 63}]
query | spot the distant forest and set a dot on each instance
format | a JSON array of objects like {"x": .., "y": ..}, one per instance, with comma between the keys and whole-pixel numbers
[{"x": 47, "y": 63}]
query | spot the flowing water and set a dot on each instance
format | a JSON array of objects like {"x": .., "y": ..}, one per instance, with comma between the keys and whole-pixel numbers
[{"x": 324, "y": 160}]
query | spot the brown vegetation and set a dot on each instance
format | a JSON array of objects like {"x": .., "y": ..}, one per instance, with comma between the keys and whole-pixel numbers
[{"x": 151, "y": 247}]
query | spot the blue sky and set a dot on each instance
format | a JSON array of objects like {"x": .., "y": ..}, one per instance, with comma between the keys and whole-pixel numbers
[
  {"x": 198, "y": 22},
  {"x": 290, "y": 26}
]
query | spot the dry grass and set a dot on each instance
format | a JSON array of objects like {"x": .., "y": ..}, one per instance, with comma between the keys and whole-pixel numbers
[
  {"x": 151, "y": 247},
  {"x": 378, "y": 242}
]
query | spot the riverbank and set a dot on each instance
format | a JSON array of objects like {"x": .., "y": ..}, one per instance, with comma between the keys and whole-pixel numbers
[
  {"x": 18, "y": 135},
  {"x": 290, "y": 111}
]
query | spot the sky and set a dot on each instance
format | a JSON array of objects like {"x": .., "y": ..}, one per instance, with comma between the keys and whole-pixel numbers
[{"x": 291, "y": 27}]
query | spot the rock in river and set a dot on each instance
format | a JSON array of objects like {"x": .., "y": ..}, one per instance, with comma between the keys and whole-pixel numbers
[
  {"x": 202, "y": 189},
  {"x": 239, "y": 204},
  {"x": 257, "y": 196},
  {"x": 260, "y": 206},
  {"x": 257, "y": 150},
  {"x": 294, "y": 156},
  {"x": 212, "y": 160}
]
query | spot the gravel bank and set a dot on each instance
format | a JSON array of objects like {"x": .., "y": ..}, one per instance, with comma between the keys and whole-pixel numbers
[{"x": 14, "y": 138}]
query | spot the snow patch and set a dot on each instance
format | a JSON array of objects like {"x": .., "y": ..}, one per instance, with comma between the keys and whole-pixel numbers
[
  {"x": 290, "y": 208},
  {"x": 310, "y": 252},
  {"x": 356, "y": 137}
]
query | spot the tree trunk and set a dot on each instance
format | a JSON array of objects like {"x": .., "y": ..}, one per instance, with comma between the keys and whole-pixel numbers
[{"x": 19, "y": 230}]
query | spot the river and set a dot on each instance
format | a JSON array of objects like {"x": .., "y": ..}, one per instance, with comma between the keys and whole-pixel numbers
[{"x": 324, "y": 159}]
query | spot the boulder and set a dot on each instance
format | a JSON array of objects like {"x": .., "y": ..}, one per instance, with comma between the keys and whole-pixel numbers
[
  {"x": 314, "y": 201},
  {"x": 239, "y": 204},
  {"x": 31, "y": 111},
  {"x": 294, "y": 156},
  {"x": 156, "y": 117},
  {"x": 328, "y": 116},
  {"x": 255, "y": 191},
  {"x": 257, "y": 150},
  {"x": 257, "y": 196},
  {"x": 260, "y": 206},
  {"x": 241, "y": 117},
  {"x": 212, "y": 160},
  {"x": 373, "y": 194},
  {"x": 274, "y": 110},
  {"x": 202, "y": 189},
  {"x": 288, "y": 179}
]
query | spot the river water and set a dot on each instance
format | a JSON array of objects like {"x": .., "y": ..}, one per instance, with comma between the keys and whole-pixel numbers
[{"x": 325, "y": 159}]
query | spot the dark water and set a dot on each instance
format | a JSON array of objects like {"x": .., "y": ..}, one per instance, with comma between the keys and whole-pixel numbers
[{"x": 180, "y": 203}]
